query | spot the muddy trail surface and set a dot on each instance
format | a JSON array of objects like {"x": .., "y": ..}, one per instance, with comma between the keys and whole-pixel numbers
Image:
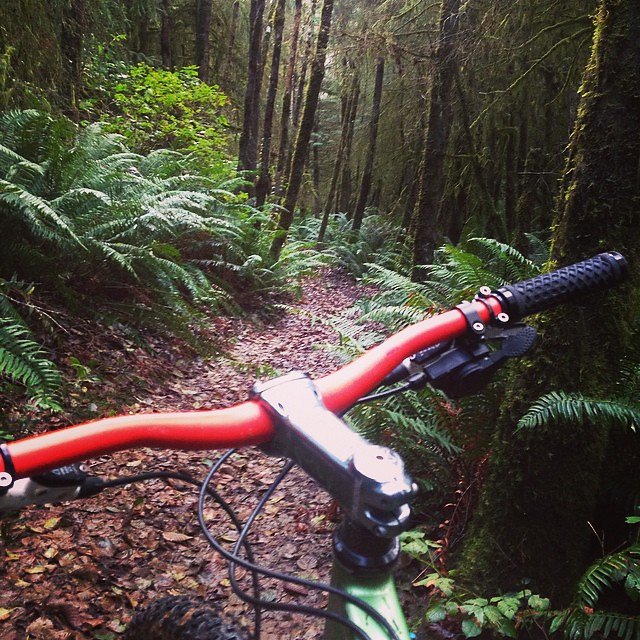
[{"x": 80, "y": 570}]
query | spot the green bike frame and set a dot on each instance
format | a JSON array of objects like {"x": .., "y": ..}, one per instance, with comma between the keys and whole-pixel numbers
[{"x": 379, "y": 592}]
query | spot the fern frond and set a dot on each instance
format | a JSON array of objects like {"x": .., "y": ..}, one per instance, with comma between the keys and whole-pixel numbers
[
  {"x": 23, "y": 361},
  {"x": 558, "y": 406},
  {"x": 601, "y": 575}
]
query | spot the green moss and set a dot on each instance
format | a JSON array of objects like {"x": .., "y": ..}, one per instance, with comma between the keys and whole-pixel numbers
[{"x": 543, "y": 488}]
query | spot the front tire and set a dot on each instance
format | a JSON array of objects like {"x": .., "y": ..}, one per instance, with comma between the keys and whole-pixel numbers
[{"x": 181, "y": 618}]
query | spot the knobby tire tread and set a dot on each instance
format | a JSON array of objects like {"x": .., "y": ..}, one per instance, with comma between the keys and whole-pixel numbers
[{"x": 182, "y": 618}]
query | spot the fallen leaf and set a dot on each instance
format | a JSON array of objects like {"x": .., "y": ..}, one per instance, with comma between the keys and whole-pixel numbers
[
  {"x": 37, "y": 569},
  {"x": 5, "y": 613},
  {"x": 51, "y": 523},
  {"x": 174, "y": 536}
]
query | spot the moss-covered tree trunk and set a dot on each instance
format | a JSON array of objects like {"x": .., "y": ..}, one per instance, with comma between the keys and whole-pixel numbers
[
  {"x": 248, "y": 144},
  {"x": 427, "y": 231},
  {"x": 543, "y": 487}
]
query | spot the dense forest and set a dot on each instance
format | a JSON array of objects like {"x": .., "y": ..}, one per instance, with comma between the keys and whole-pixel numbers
[{"x": 167, "y": 162}]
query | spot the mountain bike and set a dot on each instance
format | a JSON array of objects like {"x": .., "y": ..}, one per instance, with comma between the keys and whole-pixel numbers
[{"x": 299, "y": 419}]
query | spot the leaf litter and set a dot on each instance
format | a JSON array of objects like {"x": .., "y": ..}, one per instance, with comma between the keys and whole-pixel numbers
[{"x": 78, "y": 571}]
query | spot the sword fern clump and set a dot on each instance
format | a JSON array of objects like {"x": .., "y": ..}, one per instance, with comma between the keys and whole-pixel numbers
[{"x": 136, "y": 237}]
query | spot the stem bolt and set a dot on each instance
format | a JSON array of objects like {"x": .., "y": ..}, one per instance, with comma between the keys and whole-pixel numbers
[
  {"x": 478, "y": 326},
  {"x": 485, "y": 291},
  {"x": 5, "y": 479},
  {"x": 503, "y": 317}
]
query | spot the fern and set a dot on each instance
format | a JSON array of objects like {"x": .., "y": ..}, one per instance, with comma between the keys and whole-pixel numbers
[
  {"x": 582, "y": 621},
  {"x": 22, "y": 360},
  {"x": 558, "y": 407}
]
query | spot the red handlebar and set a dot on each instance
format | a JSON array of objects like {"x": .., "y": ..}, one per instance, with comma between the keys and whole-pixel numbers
[{"x": 242, "y": 425}]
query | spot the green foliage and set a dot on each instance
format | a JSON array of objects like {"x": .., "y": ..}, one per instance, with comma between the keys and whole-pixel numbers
[
  {"x": 583, "y": 620},
  {"x": 158, "y": 108},
  {"x": 377, "y": 241},
  {"x": 503, "y": 615},
  {"x": 135, "y": 237},
  {"x": 22, "y": 360},
  {"x": 107, "y": 220},
  {"x": 456, "y": 274},
  {"x": 622, "y": 410},
  {"x": 557, "y": 407}
]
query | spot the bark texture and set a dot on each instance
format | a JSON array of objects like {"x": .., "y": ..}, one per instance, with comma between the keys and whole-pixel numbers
[
  {"x": 263, "y": 185},
  {"x": 367, "y": 174},
  {"x": 248, "y": 145},
  {"x": 203, "y": 29},
  {"x": 427, "y": 230},
  {"x": 285, "y": 117},
  {"x": 545, "y": 487}
]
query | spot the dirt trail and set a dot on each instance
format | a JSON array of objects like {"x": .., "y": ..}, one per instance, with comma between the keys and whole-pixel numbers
[{"x": 78, "y": 571}]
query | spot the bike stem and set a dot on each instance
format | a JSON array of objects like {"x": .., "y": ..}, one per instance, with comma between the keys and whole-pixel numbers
[
  {"x": 369, "y": 481},
  {"x": 371, "y": 485}
]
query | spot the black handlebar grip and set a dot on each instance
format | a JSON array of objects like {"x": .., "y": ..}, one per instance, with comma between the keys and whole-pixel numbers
[{"x": 549, "y": 289}]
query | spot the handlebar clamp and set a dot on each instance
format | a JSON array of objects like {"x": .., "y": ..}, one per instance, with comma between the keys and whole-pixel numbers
[{"x": 369, "y": 481}]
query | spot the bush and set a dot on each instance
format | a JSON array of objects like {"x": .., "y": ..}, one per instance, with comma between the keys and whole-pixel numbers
[{"x": 157, "y": 108}]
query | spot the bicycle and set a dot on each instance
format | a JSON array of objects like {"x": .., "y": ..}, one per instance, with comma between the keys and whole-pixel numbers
[{"x": 293, "y": 417}]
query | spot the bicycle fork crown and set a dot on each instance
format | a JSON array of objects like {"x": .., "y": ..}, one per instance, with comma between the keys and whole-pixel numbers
[{"x": 369, "y": 481}]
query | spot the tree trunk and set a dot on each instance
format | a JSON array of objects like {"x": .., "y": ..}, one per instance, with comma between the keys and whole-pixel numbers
[
  {"x": 203, "y": 29},
  {"x": 165, "y": 35},
  {"x": 367, "y": 174},
  {"x": 263, "y": 185},
  {"x": 427, "y": 231},
  {"x": 344, "y": 193},
  {"x": 71, "y": 44},
  {"x": 315, "y": 169},
  {"x": 302, "y": 76},
  {"x": 285, "y": 118},
  {"x": 306, "y": 127},
  {"x": 248, "y": 146},
  {"x": 333, "y": 186},
  {"x": 233, "y": 28},
  {"x": 543, "y": 486}
]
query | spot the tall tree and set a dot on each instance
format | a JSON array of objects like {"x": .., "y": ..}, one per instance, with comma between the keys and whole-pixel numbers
[
  {"x": 306, "y": 128},
  {"x": 427, "y": 232},
  {"x": 248, "y": 145},
  {"x": 263, "y": 184},
  {"x": 203, "y": 30},
  {"x": 329, "y": 206},
  {"x": 71, "y": 47},
  {"x": 233, "y": 28},
  {"x": 544, "y": 487},
  {"x": 165, "y": 34},
  {"x": 343, "y": 195},
  {"x": 367, "y": 174},
  {"x": 285, "y": 118}
]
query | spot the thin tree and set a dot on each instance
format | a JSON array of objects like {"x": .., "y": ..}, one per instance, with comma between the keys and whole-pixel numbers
[
  {"x": 203, "y": 29},
  {"x": 248, "y": 145},
  {"x": 426, "y": 227},
  {"x": 367, "y": 174},
  {"x": 71, "y": 47},
  {"x": 306, "y": 128},
  {"x": 285, "y": 118},
  {"x": 165, "y": 34},
  {"x": 263, "y": 184},
  {"x": 343, "y": 196},
  {"x": 337, "y": 166},
  {"x": 233, "y": 28}
]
